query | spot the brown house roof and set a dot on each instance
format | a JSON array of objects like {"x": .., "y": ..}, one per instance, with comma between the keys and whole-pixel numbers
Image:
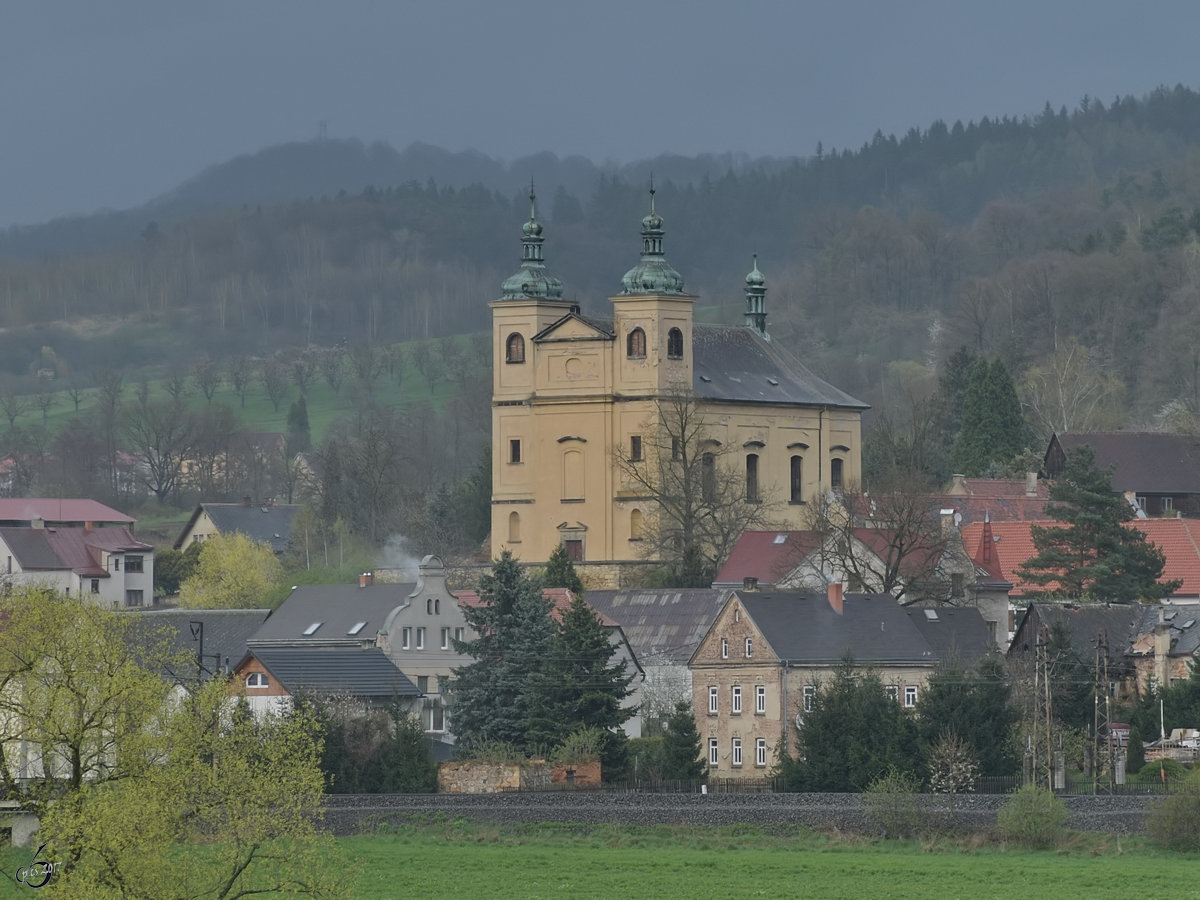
[
  {"x": 1143, "y": 462},
  {"x": 23, "y": 510}
]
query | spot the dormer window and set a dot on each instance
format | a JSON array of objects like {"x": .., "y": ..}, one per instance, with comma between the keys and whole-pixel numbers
[
  {"x": 674, "y": 344},
  {"x": 635, "y": 344},
  {"x": 514, "y": 349},
  {"x": 257, "y": 680}
]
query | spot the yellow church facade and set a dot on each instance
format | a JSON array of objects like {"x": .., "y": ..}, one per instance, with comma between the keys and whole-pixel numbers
[{"x": 576, "y": 400}]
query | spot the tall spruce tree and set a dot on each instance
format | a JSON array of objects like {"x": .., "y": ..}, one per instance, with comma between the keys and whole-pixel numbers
[
  {"x": 560, "y": 571},
  {"x": 495, "y": 696},
  {"x": 681, "y": 749},
  {"x": 1093, "y": 554},
  {"x": 993, "y": 429}
]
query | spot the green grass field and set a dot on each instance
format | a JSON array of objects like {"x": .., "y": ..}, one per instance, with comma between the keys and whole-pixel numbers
[
  {"x": 469, "y": 859},
  {"x": 458, "y": 859}
]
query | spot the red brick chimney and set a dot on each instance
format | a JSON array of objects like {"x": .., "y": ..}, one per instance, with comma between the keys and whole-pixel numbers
[
  {"x": 835, "y": 596},
  {"x": 366, "y": 578}
]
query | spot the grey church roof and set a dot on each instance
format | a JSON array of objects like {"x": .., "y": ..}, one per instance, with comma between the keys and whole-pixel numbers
[
  {"x": 352, "y": 670},
  {"x": 733, "y": 363},
  {"x": 662, "y": 626}
]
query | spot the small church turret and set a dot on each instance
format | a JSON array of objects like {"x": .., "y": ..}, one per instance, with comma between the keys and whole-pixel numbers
[
  {"x": 756, "y": 302},
  {"x": 653, "y": 274},
  {"x": 532, "y": 282}
]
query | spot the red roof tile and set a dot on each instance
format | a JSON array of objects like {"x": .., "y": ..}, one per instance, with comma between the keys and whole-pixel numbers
[
  {"x": 25, "y": 509},
  {"x": 1178, "y": 539},
  {"x": 766, "y": 555}
]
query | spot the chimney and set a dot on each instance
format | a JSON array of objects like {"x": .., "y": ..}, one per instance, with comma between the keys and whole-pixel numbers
[
  {"x": 1162, "y": 651},
  {"x": 750, "y": 583},
  {"x": 959, "y": 487},
  {"x": 38, "y": 523},
  {"x": 948, "y": 519},
  {"x": 366, "y": 578},
  {"x": 835, "y": 596},
  {"x": 1031, "y": 484}
]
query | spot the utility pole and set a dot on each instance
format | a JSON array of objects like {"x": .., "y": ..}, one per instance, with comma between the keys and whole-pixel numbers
[
  {"x": 1102, "y": 720},
  {"x": 1042, "y": 714}
]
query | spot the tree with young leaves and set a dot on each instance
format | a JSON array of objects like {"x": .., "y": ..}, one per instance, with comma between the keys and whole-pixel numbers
[
  {"x": 233, "y": 572},
  {"x": 1094, "y": 553},
  {"x": 494, "y": 696},
  {"x": 696, "y": 489}
]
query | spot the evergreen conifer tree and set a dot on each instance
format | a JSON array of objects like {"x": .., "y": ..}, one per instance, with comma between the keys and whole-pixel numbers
[
  {"x": 1093, "y": 554},
  {"x": 993, "y": 429},
  {"x": 494, "y": 696},
  {"x": 681, "y": 750},
  {"x": 560, "y": 571}
]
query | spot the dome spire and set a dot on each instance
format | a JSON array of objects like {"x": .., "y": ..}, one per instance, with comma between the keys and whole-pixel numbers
[
  {"x": 532, "y": 282},
  {"x": 653, "y": 274},
  {"x": 756, "y": 302}
]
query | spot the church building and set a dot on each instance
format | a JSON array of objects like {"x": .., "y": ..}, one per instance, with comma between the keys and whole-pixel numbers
[{"x": 576, "y": 398}]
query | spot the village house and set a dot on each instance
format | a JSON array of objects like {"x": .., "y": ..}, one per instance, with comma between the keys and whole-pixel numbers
[
  {"x": 758, "y": 669},
  {"x": 79, "y": 547},
  {"x": 268, "y": 523}
]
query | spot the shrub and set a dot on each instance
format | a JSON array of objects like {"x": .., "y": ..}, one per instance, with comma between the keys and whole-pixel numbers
[
  {"x": 1153, "y": 770},
  {"x": 580, "y": 746},
  {"x": 1174, "y": 821},
  {"x": 891, "y": 804},
  {"x": 1032, "y": 817}
]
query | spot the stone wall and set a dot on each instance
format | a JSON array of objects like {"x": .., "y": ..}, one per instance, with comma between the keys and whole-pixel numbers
[
  {"x": 577, "y": 775},
  {"x": 474, "y": 776}
]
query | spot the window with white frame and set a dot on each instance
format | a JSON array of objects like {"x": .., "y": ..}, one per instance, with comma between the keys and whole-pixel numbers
[
  {"x": 420, "y": 638},
  {"x": 893, "y": 692},
  {"x": 257, "y": 680},
  {"x": 810, "y": 696},
  {"x": 458, "y": 634},
  {"x": 445, "y": 638},
  {"x": 760, "y": 699},
  {"x": 910, "y": 696},
  {"x": 712, "y": 752},
  {"x": 749, "y": 647},
  {"x": 435, "y": 716},
  {"x": 735, "y": 699},
  {"x": 760, "y": 752},
  {"x": 737, "y": 751},
  {"x": 724, "y": 648},
  {"x": 713, "y": 699},
  {"x": 405, "y": 638}
]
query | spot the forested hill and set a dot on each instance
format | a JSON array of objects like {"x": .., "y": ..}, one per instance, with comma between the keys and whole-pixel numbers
[{"x": 1014, "y": 237}]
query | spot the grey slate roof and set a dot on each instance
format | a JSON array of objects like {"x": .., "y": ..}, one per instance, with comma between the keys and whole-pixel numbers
[
  {"x": 329, "y": 670},
  {"x": 1184, "y": 624},
  {"x": 226, "y": 632},
  {"x": 338, "y": 607},
  {"x": 662, "y": 626},
  {"x": 1146, "y": 462},
  {"x": 733, "y": 363},
  {"x": 266, "y": 524},
  {"x": 956, "y": 634},
  {"x": 803, "y": 628}
]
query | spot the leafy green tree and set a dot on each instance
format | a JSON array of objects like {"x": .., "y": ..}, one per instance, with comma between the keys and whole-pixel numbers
[
  {"x": 1093, "y": 554},
  {"x": 560, "y": 571},
  {"x": 234, "y": 572},
  {"x": 249, "y": 790},
  {"x": 494, "y": 696},
  {"x": 993, "y": 427},
  {"x": 173, "y": 567},
  {"x": 974, "y": 706},
  {"x": 854, "y": 732},
  {"x": 680, "y": 752}
]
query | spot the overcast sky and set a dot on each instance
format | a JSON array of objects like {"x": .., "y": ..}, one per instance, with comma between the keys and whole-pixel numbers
[{"x": 111, "y": 103}]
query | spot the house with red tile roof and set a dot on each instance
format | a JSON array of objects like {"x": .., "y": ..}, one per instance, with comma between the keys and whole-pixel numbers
[
  {"x": 998, "y": 499},
  {"x": 106, "y": 564},
  {"x": 1179, "y": 539}
]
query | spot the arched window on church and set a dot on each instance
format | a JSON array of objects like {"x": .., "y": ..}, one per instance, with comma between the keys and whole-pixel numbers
[
  {"x": 635, "y": 344},
  {"x": 514, "y": 528},
  {"x": 835, "y": 474},
  {"x": 708, "y": 476},
  {"x": 635, "y": 525},
  {"x": 674, "y": 344},
  {"x": 514, "y": 349},
  {"x": 752, "y": 478}
]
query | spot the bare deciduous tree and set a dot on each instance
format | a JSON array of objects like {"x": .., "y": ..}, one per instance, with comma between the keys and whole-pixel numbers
[{"x": 1072, "y": 392}]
